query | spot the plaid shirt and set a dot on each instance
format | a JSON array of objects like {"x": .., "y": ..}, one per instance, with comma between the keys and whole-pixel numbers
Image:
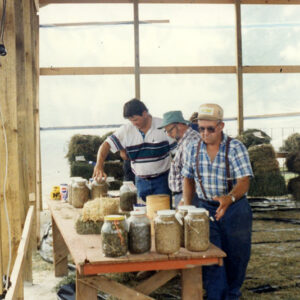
[
  {"x": 214, "y": 173},
  {"x": 175, "y": 177}
]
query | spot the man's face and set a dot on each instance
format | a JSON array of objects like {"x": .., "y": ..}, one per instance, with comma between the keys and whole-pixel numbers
[
  {"x": 139, "y": 121},
  {"x": 172, "y": 131},
  {"x": 210, "y": 131}
]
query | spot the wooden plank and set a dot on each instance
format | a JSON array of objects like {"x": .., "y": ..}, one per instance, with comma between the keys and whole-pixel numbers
[
  {"x": 60, "y": 252},
  {"x": 17, "y": 272},
  {"x": 103, "y": 23},
  {"x": 239, "y": 65},
  {"x": 277, "y": 2},
  {"x": 143, "y": 70},
  {"x": 272, "y": 69},
  {"x": 191, "y": 280},
  {"x": 84, "y": 291},
  {"x": 136, "y": 50},
  {"x": 156, "y": 281},
  {"x": 113, "y": 288}
]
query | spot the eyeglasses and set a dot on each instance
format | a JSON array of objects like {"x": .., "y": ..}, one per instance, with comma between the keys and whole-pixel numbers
[
  {"x": 170, "y": 130},
  {"x": 209, "y": 129}
]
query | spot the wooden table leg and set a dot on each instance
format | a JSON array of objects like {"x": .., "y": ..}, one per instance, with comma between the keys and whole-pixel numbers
[
  {"x": 60, "y": 252},
  {"x": 191, "y": 281},
  {"x": 83, "y": 291}
]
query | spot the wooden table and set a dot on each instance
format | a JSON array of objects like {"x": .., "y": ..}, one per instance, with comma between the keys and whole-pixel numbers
[{"x": 90, "y": 262}]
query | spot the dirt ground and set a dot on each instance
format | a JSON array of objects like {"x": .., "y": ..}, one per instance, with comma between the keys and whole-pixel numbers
[{"x": 274, "y": 267}]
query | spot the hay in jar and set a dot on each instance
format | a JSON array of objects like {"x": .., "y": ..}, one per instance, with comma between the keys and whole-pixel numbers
[
  {"x": 114, "y": 236},
  {"x": 167, "y": 232},
  {"x": 80, "y": 192},
  {"x": 139, "y": 232},
  {"x": 196, "y": 230}
]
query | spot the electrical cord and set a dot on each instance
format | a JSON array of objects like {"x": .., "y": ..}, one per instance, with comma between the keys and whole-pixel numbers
[{"x": 5, "y": 200}]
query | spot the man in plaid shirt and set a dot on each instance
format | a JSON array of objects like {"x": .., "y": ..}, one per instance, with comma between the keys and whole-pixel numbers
[
  {"x": 219, "y": 170},
  {"x": 178, "y": 128}
]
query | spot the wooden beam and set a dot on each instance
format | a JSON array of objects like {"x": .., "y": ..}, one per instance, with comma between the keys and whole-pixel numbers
[
  {"x": 272, "y": 69},
  {"x": 136, "y": 50},
  {"x": 113, "y": 288},
  {"x": 276, "y": 2},
  {"x": 36, "y": 5},
  {"x": 192, "y": 278},
  {"x": 156, "y": 281},
  {"x": 253, "y": 117},
  {"x": 239, "y": 64},
  {"x": 143, "y": 70},
  {"x": 17, "y": 272},
  {"x": 102, "y": 23}
]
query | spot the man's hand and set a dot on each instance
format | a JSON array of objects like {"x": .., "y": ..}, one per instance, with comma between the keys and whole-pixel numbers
[
  {"x": 225, "y": 202},
  {"x": 99, "y": 173}
]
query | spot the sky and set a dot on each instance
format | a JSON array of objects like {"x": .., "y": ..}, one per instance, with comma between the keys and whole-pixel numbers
[{"x": 195, "y": 35}]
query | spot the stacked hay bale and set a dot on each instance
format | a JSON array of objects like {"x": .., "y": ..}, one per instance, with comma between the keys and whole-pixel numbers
[
  {"x": 267, "y": 180},
  {"x": 87, "y": 146},
  {"x": 292, "y": 146}
]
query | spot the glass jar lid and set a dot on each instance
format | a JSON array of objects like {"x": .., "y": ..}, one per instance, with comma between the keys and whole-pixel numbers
[
  {"x": 185, "y": 207},
  {"x": 137, "y": 213},
  {"x": 114, "y": 218},
  {"x": 198, "y": 211},
  {"x": 80, "y": 181},
  {"x": 166, "y": 212}
]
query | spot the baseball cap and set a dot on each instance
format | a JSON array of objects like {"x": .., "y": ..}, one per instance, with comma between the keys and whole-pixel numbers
[{"x": 210, "y": 111}]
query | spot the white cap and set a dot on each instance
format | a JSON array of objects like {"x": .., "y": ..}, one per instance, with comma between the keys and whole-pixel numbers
[
  {"x": 137, "y": 213},
  {"x": 198, "y": 211},
  {"x": 185, "y": 207}
]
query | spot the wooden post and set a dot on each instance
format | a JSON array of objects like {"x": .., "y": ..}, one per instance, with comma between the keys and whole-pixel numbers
[
  {"x": 192, "y": 284},
  {"x": 239, "y": 66},
  {"x": 8, "y": 101},
  {"x": 136, "y": 50}
]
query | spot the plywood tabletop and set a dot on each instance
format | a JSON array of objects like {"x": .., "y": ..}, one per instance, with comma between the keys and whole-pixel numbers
[{"x": 86, "y": 249}]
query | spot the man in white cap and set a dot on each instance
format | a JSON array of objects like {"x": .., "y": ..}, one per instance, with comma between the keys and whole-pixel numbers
[
  {"x": 219, "y": 170},
  {"x": 178, "y": 128}
]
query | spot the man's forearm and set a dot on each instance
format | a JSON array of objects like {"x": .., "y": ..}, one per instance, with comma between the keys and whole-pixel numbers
[
  {"x": 188, "y": 190},
  {"x": 241, "y": 188},
  {"x": 102, "y": 154}
]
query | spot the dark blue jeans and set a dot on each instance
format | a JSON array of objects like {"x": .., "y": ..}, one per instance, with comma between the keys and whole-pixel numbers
[
  {"x": 153, "y": 186},
  {"x": 233, "y": 235}
]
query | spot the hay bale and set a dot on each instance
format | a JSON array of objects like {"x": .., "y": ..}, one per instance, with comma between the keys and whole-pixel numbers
[
  {"x": 252, "y": 137},
  {"x": 294, "y": 187},
  {"x": 293, "y": 162},
  {"x": 291, "y": 144},
  {"x": 267, "y": 180},
  {"x": 114, "y": 169},
  {"x": 268, "y": 184},
  {"x": 263, "y": 159},
  {"x": 81, "y": 169},
  {"x": 88, "y": 227}
]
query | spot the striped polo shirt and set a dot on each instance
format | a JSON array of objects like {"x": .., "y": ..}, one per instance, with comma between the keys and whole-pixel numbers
[{"x": 149, "y": 153}]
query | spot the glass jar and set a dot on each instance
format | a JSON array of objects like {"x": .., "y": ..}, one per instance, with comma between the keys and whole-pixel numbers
[
  {"x": 80, "y": 192},
  {"x": 98, "y": 189},
  {"x": 139, "y": 232},
  {"x": 167, "y": 232},
  {"x": 196, "y": 230},
  {"x": 128, "y": 196},
  {"x": 114, "y": 236},
  {"x": 70, "y": 185},
  {"x": 182, "y": 211}
]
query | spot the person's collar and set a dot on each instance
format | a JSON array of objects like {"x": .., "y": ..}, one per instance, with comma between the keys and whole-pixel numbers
[{"x": 184, "y": 136}]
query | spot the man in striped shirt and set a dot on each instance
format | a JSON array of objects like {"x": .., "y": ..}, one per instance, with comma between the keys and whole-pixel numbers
[
  {"x": 178, "y": 128},
  {"x": 147, "y": 147},
  {"x": 219, "y": 170}
]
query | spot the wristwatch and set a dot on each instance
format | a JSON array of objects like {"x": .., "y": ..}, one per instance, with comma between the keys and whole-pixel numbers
[{"x": 232, "y": 198}]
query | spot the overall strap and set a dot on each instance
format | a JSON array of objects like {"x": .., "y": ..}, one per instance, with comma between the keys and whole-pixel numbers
[
  {"x": 197, "y": 169},
  {"x": 228, "y": 178}
]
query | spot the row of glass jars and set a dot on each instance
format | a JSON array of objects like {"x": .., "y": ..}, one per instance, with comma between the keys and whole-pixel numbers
[
  {"x": 79, "y": 191},
  {"x": 190, "y": 225},
  {"x": 118, "y": 236}
]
